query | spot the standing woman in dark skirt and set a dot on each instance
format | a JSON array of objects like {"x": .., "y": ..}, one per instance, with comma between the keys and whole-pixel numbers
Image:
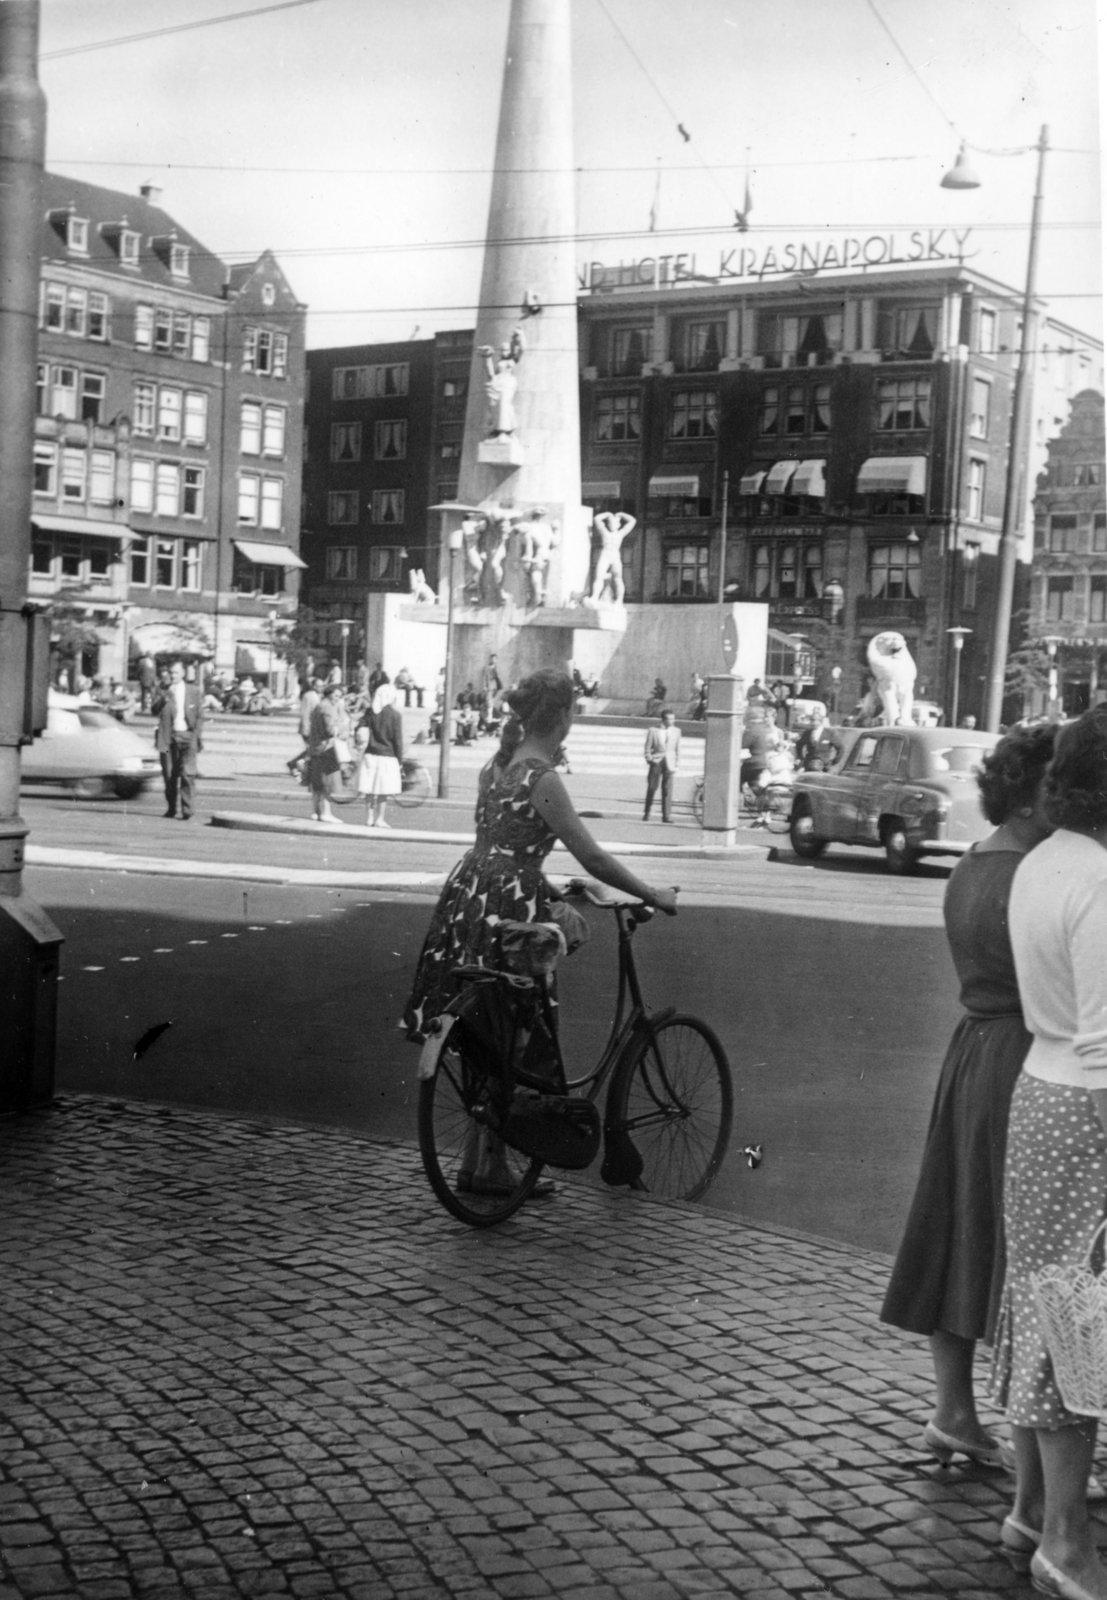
[{"x": 948, "y": 1275}]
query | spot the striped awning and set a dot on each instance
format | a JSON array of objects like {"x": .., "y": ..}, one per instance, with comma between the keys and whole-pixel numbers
[
  {"x": 892, "y": 475},
  {"x": 685, "y": 486},
  {"x": 751, "y": 482},
  {"x": 810, "y": 478},
  {"x": 90, "y": 526},
  {"x": 609, "y": 489},
  {"x": 780, "y": 475}
]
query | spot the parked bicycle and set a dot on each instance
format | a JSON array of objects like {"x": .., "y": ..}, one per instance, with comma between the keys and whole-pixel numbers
[
  {"x": 771, "y": 805},
  {"x": 414, "y": 778},
  {"x": 492, "y": 1067}
]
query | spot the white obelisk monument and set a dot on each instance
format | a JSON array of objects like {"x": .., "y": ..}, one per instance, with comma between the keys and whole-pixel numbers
[{"x": 521, "y": 447}]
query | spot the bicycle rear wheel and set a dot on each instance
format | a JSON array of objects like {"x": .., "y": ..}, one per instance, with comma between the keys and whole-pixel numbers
[
  {"x": 697, "y": 801},
  {"x": 456, "y": 1148},
  {"x": 672, "y": 1096},
  {"x": 778, "y": 807},
  {"x": 416, "y": 784}
]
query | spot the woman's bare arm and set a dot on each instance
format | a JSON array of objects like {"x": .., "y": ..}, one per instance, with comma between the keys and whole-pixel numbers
[{"x": 551, "y": 800}]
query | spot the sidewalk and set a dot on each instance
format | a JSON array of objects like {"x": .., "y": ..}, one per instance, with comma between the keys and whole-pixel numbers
[{"x": 251, "y": 1359}]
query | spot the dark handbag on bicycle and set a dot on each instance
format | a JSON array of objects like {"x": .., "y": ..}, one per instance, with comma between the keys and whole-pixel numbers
[{"x": 558, "y": 1129}]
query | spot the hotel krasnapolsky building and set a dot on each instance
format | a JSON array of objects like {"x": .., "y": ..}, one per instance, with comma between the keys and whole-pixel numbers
[
  {"x": 168, "y": 451},
  {"x": 832, "y": 443}
]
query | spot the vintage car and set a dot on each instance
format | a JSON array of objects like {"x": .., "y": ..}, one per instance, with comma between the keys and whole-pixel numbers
[
  {"x": 84, "y": 748},
  {"x": 909, "y": 791}
]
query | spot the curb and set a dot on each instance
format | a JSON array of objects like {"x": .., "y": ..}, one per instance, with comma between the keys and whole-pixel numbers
[
  {"x": 304, "y": 877},
  {"x": 261, "y": 822}
]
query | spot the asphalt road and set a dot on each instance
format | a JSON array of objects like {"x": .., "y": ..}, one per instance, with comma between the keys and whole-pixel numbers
[{"x": 830, "y": 985}]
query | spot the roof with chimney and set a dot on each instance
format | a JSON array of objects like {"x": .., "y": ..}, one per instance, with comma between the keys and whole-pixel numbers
[{"x": 108, "y": 212}]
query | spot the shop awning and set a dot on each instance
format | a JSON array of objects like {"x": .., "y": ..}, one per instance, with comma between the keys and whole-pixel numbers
[
  {"x": 610, "y": 489},
  {"x": 780, "y": 475},
  {"x": 810, "y": 478},
  {"x": 892, "y": 475},
  {"x": 268, "y": 555},
  {"x": 686, "y": 486},
  {"x": 751, "y": 482},
  {"x": 97, "y": 528},
  {"x": 165, "y": 639}
]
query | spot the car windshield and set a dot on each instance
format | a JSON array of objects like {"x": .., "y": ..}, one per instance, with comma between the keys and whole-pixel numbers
[
  {"x": 92, "y": 718},
  {"x": 962, "y": 758}
]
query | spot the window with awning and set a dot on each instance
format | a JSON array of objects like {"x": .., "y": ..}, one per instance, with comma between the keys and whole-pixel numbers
[
  {"x": 810, "y": 478},
  {"x": 685, "y": 486},
  {"x": 88, "y": 525},
  {"x": 780, "y": 476},
  {"x": 268, "y": 555},
  {"x": 893, "y": 475},
  {"x": 750, "y": 482}
]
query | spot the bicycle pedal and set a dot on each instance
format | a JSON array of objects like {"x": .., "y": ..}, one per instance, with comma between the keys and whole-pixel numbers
[{"x": 754, "y": 1154}]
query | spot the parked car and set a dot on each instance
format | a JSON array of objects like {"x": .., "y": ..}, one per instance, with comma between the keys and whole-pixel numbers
[
  {"x": 84, "y": 748},
  {"x": 909, "y": 791}
]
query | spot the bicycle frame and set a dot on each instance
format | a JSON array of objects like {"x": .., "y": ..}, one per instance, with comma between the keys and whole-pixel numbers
[{"x": 623, "y": 1027}]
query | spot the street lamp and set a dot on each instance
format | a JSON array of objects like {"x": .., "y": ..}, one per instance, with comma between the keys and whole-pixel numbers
[
  {"x": 1051, "y": 644},
  {"x": 962, "y": 177},
  {"x": 272, "y": 674},
  {"x": 958, "y": 637},
  {"x": 345, "y": 624},
  {"x": 453, "y": 541}
]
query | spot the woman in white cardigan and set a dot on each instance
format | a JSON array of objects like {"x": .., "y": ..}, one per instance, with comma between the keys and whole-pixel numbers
[{"x": 1056, "y": 1174}]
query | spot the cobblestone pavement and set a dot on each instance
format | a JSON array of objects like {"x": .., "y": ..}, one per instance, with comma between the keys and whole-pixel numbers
[{"x": 247, "y": 1359}]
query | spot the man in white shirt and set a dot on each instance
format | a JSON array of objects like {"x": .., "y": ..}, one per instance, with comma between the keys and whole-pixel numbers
[
  {"x": 180, "y": 713},
  {"x": 662, "y": 760}
]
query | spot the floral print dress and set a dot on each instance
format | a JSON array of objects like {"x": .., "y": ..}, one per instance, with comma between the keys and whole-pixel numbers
[{"x": 499, "y": 879}]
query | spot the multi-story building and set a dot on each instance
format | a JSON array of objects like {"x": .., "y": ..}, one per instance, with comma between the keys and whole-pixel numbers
[
  {"x": 167, "y": 440},
  {"x": 367, "y": 480},
  {"x": 832, "y": 445},
  {"x": 1068, "y": 580},
  {"x": 835, "y": 446}
]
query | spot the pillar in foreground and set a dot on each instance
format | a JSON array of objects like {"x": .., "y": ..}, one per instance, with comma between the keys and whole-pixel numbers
[{"x": 522, "y": 424}]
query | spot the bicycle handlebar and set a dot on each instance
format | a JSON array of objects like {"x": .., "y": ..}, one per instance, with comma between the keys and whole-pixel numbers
[{"x": 606, "y": 898}]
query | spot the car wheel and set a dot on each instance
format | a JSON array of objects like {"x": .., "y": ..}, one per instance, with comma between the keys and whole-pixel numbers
[
  {"x": 901, "y": 856},
  {"x": 805, "y": 841},
  {"x": 129, "y": 788},
  {"x": 90, "y": 788}
]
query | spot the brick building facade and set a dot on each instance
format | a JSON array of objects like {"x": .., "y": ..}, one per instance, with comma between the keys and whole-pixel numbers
[{"x": 167, "y": 436}]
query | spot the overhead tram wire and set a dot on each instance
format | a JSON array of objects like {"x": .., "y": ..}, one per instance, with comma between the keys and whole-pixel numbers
[
  {"x": 482, "y": 172},
  {"x": 678, "y": 122},
  {"x": 179, "y": 27}
]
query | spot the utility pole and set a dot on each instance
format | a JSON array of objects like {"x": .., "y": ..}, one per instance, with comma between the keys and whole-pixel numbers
[
  {"x": 28, "y": 940},
  {"x": 1013, "y": 488}
]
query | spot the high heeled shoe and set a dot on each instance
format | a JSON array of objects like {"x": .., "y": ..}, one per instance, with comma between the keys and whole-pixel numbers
[
  {"x": 1048, "y": 1579},
  {"x": 1018, "y": 1535},
  {"x": 944, "y": 1446}
]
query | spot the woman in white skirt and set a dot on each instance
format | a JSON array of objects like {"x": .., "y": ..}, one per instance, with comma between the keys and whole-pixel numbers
[
  {"x": 1056, "y": 1172},
  {"x": 379, "y": 775}
]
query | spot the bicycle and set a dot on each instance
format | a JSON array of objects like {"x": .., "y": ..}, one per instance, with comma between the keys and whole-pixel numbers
[
  {"x": 414, "y": 778},
  {"x": 493, "y": 1065},
  {"x": 773, "y": 804}
]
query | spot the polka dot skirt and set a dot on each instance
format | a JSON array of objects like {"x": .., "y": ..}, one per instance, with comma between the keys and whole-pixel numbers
[{"x": 1055, "y": 1195}]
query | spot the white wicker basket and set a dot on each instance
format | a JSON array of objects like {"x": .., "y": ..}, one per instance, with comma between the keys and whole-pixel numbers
[{"x": 1072, "y": 1303}]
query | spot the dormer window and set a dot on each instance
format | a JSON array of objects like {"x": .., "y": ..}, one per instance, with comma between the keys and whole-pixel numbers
[
  {"x": 178, "y": 260},
  {"x": 123, "y": 240},
  {"x": 76, "y": 235}
]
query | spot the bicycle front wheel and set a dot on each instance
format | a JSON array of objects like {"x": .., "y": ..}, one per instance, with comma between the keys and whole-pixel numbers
[
  {"x": 672, "y": 1096},
  {"x": 479, "y": 1179},
  {"x": 416, "y": 784},
  {"x": 697, "y": 802}
]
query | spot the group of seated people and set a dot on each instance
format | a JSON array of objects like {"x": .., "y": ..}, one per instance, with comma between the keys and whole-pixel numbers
[{"x": 474, "y": 715}]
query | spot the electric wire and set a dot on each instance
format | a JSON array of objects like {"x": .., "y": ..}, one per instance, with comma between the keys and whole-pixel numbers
[{"x": 179, "y": 27}]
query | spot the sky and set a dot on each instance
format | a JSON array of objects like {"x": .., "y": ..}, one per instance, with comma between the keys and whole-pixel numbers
[{"x": 355, "y": 137}]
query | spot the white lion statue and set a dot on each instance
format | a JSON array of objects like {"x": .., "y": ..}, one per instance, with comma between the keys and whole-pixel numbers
[{"x": 893, "y": 669}]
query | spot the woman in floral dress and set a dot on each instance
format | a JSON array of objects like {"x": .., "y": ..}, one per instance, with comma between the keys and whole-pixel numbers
[{"x": 523, "y": 809}]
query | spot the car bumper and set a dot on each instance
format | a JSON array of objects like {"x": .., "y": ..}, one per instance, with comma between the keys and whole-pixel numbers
[{"x": 945, "y": 847}]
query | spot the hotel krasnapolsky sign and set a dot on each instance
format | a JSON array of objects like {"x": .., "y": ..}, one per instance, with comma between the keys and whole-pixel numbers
[{"x": 755, "y": 261}]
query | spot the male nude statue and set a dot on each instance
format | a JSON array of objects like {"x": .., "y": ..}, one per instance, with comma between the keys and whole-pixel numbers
[{"x": 612, "y": 527}]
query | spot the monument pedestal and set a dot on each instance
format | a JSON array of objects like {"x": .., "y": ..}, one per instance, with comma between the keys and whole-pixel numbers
[{"x": 502, "y": 452}]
